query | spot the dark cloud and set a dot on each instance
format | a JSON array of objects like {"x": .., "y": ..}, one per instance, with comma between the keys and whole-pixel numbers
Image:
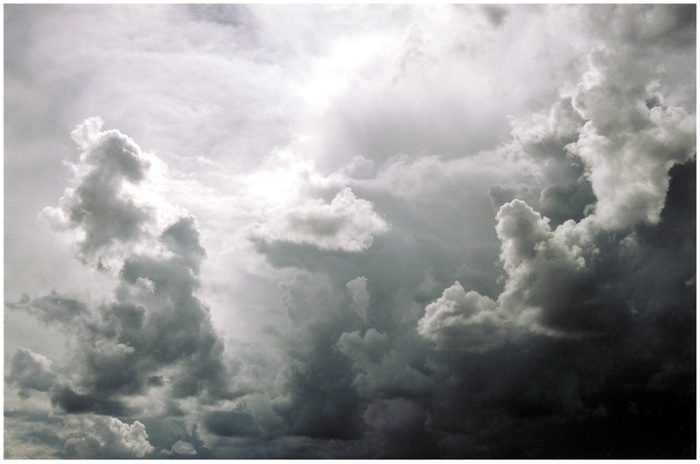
[
  {"x": 556, "y": 320},
  {"x": 72, "y": 402},
  {"x": 495, "y": 13},
  {"x": 231, "y": 423}
]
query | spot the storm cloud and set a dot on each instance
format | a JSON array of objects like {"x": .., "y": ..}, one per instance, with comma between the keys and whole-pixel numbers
[{"x": 366, "y": 231}]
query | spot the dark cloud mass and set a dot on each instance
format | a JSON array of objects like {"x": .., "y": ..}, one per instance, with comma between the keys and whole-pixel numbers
[{"x": 387, "y": 283}]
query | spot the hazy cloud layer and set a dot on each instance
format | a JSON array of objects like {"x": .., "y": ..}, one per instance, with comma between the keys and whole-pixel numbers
[{"x": 368, "y": 231}]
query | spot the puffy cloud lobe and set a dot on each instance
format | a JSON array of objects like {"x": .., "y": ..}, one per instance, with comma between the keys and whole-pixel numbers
[
  {"x": 106, "y": 437},
  {"x": 547, "y": 271},
  {"x": 102, "y": 207},
  {"x": 183, "y": 447},
  {"x": 348, "y": 223},
  {"x": 30, "y": 371},
  {"x": 628, "y": 144},
  {"x": 463, "y": 321}
]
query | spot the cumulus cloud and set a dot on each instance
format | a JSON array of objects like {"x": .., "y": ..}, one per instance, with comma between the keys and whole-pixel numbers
[
  {"x": 183, "y": 447},
  {"x": 463, "y": 321},
  {"x": 154, "y": 327},
  {"x": 347, "y": 223},
  {"x": 614, "y": 135},
  {"x": 627, "y": 146},
  {"x": 391, "y": 270},
  {"x": 30, "y": 371},
  {"x": 155, "y": 332},
  {"x": 106, "y": 437},
  {"x": 102, "y": 205}
]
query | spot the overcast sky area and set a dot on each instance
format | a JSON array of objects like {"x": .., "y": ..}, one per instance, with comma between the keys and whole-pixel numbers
[{"x": 319, "y": 231}]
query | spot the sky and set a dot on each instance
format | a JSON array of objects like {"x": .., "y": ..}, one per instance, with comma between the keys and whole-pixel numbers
[{"x": 360, "y": 231}]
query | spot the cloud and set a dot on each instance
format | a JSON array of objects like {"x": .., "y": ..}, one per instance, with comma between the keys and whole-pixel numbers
[
  {"x": 183, "y": 447},
  {"x": 463, "y": 321},
  {"x": 231, "y": 423},
  {"x": 667, "y": 26},
  {"x": 53, "y": 309},
  {"x": 359, "y": 295},
  {"x": 620, "y": 145},
  {"x": 155, "y": 332},
  {"x": 627, "y": 146},
  {"x": 407, "y": 240},
  {"x": 30, "y": 371},
  {"x": 347, "y": 223},
  {"x": 102, "y": 206},
  {"x": 106, "y": 437},
  {"x": 382, "y": 371}
]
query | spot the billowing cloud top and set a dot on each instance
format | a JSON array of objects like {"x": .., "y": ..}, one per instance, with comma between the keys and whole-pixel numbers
[{"x": 367, "y": 231}]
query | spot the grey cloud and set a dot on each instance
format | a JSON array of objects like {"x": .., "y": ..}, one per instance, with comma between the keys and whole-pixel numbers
[
  {"x": 584, "y": 294},
  {"x": 231, "y": 423},
  {"x": 151, "y": 328},
  {"x": 72, "y": 402},
  {"x": 547, "y": 331},
  {"x": 382, "y": 371},
  {"x": 31, "y": 434},
  {"x": 627, "y": 150},
  {"x": 495, "y": 13},
  {"x": 646, "y": 25},
  {"x": 53, "y": 309},
  {"x": 558, "y": 186},
  {"x": 30, "y": 371},
  {"x": 317, "y": 399},
  {"x": 99, "y": 206},
  {"x": 155, "y": 333}
]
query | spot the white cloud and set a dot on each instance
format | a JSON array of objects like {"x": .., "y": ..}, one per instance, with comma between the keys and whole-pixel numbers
[
  {"x": 460, "y": 320},
  {"x": 630, "y": 140},
  {"x": 347, "y": 223},
  {"x": 183, "y": 447},
  {"x": 106, "y": 437}
]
